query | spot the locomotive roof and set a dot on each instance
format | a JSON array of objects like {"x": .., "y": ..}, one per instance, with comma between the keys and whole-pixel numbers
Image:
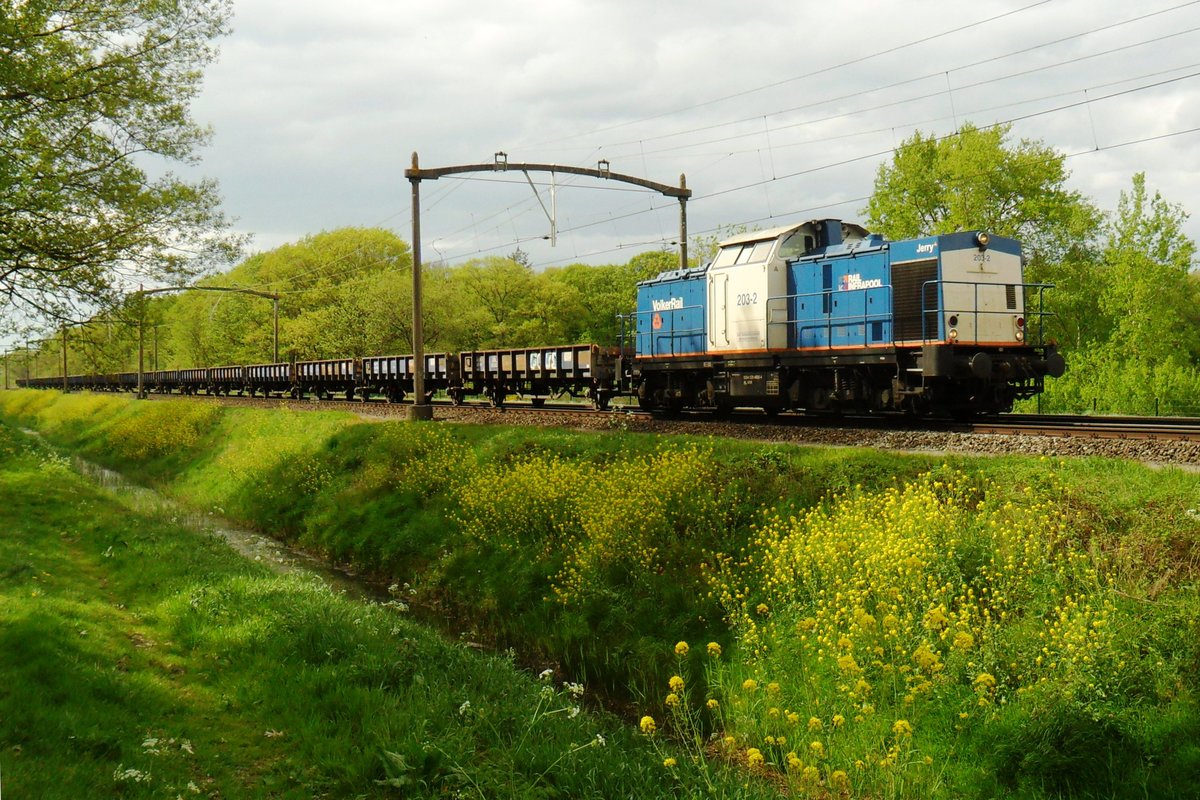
[{"x": 775, "y": 233}]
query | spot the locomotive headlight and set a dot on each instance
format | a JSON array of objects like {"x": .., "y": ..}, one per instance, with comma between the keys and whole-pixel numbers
[
  {"x": 954, "y": 334},
  {"x": 1020, "y": 336},
  {"x": 982, "y": 239}
]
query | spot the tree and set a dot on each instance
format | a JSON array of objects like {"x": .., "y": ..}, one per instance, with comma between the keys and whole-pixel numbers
[
  {"x": 976, "y": 179},
  {"x": 1147, "y": 290},
  {"x": 92, "y": 93}
]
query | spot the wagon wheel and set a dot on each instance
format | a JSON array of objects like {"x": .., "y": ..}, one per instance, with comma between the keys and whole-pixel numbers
[{"x": 537, "y": 402}]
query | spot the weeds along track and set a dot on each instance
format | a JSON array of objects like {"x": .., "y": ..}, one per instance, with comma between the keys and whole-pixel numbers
[{"x": 874, "y": 433}]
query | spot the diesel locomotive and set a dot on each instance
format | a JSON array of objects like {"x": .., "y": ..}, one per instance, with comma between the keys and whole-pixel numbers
[{"x": 822, "y": 316}]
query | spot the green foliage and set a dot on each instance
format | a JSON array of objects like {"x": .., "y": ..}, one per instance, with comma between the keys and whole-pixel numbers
[
  {"x": 1147, "y": 290},
  {"x": 993, "y": 627},
  {"x": 974, "y": 179},
  {"x": 88, "y": 91},
  {"x": 1135, "y": 344},
  {"x": 345, "y": 292},
  {"x": 141, "y": 659}
]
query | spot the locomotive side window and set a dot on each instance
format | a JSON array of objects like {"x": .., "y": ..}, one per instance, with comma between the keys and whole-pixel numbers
[
  {"x": 727, "y": 256},
  {"x": 744, "y": 256},
  {"x": 762, "y": 251}
]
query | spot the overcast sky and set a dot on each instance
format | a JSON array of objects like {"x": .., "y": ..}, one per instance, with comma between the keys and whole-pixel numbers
[{"x": 776, "y": 111}]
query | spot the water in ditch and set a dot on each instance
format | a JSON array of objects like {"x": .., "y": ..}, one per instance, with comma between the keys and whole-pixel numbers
[{"x": 253, "y": 545}]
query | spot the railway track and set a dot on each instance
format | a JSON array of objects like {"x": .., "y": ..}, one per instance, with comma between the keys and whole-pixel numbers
[
  {"x": 1165, "y": 429},
  {"x": 1176, "y": 429}
]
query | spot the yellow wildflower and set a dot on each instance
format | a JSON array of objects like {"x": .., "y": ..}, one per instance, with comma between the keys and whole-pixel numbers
[
  {"x": 681, "y": 648},
  {"x": 676, "y": 683},
  {"x": 712, "y": 704},
  {"x": 669, "y": 763},
  {"x": 814, "y": 724},
  {"x": 714, "y": 650},
  {"x": 902, "y": 728},
  {"x": 754, "y": 757},
  {"x": 672, "y": 700},
  {"x": 647, "y": 724},
  {"x": 749, "y": 685}
]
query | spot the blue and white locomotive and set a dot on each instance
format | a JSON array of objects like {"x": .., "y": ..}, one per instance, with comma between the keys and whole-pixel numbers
[{"x": 823, "y": 316}]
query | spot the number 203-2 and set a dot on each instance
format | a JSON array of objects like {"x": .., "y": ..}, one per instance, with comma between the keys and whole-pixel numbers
[{"x": 747, "y": 299}]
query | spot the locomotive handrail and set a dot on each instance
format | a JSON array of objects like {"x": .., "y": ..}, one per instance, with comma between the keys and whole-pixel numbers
[
  {"x": 1041, "y": 314},
  {"x": 672, "y": 334}
]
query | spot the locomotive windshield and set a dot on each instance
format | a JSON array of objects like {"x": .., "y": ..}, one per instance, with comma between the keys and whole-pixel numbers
[{"x": 796, "y": 245}]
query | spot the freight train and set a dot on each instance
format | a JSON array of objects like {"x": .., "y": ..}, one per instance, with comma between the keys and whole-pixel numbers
[{"x": 818, "y": 317}]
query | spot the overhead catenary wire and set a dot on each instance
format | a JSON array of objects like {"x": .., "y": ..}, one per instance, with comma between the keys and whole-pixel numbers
[
  {"x": 939, "y": 73},
  {"x": 794, "y": 78},
  {"x": 844, "y": 162},
  {"x": 794, "y": 212}
]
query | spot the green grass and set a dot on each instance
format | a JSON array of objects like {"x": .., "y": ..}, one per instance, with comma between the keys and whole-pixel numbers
[
  {"x": 139, "y": 659},
  {"x": 598, "y": 552}
]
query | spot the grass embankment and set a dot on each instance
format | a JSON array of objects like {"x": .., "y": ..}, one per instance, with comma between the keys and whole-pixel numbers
[
  {"x": 891, "y": 625},
  {"x": 139, "y": 659}
]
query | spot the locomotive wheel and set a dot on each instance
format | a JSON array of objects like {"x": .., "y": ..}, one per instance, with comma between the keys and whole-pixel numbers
[
  {"x": 456, "y": 397},
  {"x": 600, "y": 402}
]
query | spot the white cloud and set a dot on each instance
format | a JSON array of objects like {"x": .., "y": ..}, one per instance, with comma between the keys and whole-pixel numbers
[{"x": 317, "y": 107}]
